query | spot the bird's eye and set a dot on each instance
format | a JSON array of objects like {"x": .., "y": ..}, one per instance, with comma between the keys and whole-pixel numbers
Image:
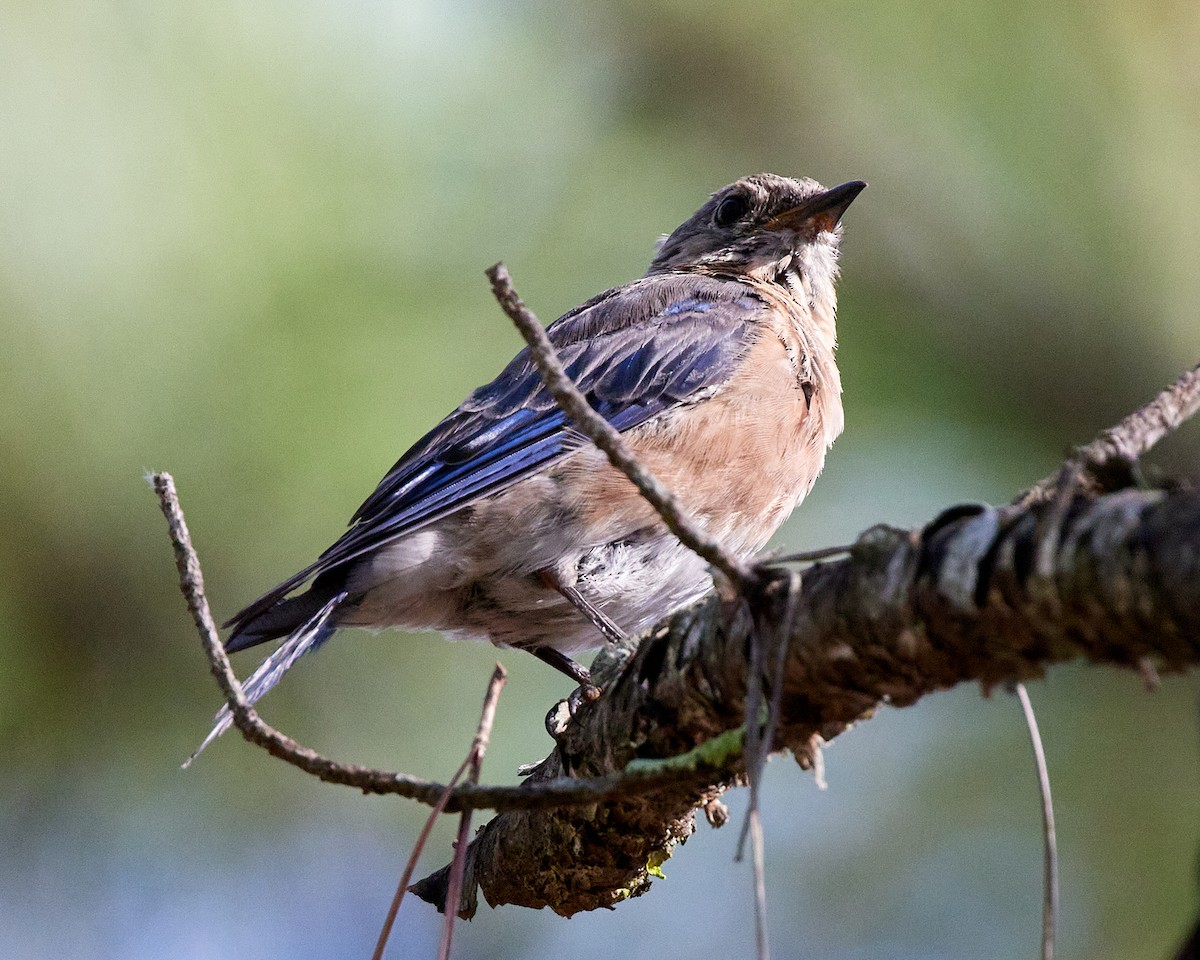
[{"x": 730, "y": 210}]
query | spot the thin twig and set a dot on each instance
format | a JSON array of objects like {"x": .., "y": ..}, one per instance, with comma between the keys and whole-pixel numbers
[
  {"x": 474, "y": 759},
  {"x": 783, "y": 637},
  {"x": 760, "y": 736},
  {"x": 752, "y": 749},
  {"x": 410, "y": 866},
  {"x": 604, "y": 436},
  {"x": 475, "y": 763},
  {"x": 1050, "y": 861},
  {"x": 811, "y": 556},
  {"x": 1175, "y": 404},
  {"x": 561, "y": 792},
  {"x": 1133, "y": 437},
  {"x": 758, "y": 744},
  {"x": 762, "y": 943},
  {"x": 191, "y": 582}
]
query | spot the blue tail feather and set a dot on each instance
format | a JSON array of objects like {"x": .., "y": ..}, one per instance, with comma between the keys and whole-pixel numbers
[{"x": 308, "y": 636}]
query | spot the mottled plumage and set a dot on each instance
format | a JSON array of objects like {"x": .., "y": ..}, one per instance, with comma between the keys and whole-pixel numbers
[{"x": 502, "y": 524}]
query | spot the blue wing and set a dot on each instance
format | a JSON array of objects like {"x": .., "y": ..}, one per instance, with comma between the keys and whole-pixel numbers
[{"x": 634, "y": 351}]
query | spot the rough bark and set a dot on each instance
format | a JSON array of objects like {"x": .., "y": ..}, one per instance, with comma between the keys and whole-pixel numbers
[{"x": 982, "y": 594}]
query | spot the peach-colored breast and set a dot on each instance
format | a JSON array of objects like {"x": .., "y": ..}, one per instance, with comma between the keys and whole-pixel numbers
[{"x": 741, "y": 460}]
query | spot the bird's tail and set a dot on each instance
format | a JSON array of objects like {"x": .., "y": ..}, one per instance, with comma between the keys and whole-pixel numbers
[{"x": 309, "y": 635}]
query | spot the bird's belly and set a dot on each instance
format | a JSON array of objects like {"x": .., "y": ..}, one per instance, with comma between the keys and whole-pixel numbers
[{"x": 488, "y": 585}]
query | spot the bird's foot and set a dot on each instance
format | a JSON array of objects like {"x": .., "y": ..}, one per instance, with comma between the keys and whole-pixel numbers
[
  {"x": 563, "y": 712},
  {"x": 558, "y": 719}
]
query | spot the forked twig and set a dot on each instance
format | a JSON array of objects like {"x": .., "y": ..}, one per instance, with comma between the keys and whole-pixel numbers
[
  {"x": 666, "y": 504},
  {"x": 1133, "y": 436},
  {"x": 475, "y": 763},
  {"x": 410, "y": 866},
  {"x": 473, "y": 760}
]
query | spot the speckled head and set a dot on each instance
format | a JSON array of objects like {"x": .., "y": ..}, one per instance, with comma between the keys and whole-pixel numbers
[{"x": 757, "y": 227}]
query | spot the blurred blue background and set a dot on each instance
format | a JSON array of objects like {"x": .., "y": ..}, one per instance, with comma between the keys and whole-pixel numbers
[{"x": 245, "y": 243}]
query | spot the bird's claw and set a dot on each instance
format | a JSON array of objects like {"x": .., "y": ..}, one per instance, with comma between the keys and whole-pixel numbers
[
  {"x": 558, "y": 719},
  {"x": 563, "y": 712}
]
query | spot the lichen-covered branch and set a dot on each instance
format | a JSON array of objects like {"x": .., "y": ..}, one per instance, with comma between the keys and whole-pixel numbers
[
  {"x": 981, "y": 594},
  {"x": 906, "y": 614}
]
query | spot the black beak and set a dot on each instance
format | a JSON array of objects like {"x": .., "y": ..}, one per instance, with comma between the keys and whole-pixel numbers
[{"x": 820, "y": 212}]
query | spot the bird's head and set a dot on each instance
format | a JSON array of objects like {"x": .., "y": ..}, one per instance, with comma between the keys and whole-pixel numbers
[{"x": 767, "y": 227}]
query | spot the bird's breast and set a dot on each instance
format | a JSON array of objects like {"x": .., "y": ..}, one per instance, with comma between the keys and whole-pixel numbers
[{"x": 739, "y": 460}]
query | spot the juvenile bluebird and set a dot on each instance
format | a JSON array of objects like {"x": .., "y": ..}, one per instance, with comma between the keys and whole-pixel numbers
[{"x": 503, "y": 524}]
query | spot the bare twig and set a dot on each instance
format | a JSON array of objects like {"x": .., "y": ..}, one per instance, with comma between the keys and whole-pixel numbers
[
  {"x": 604, "y": 436},
  {"x": 546, "y": 794},
  {"x": 760, "y": 733},
  {"x": 667, "y": 505},
  {"x": 753, "y": 750},
  {"x": 759, "y": 743},
  {"x": 783, "y": 637},
  {"x": 406, "y": 876},
  {"x": 1050, "y": 850},
  {"x": 810, "y": 556},
  {"x": 882, "y": 567},
  {"x": 475, "y": 763},
  {"x": 762, "y": 943},
  {"x": 191, "y": 582},
  {"x": 1130, "y": 439}
]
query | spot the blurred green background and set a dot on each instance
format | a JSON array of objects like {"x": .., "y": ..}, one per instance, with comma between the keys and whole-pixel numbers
[{"x": 244, "y": 242}]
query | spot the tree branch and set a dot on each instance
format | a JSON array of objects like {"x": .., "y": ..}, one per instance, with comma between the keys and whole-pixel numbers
[
  {"x": 907, "y": 614},
  {"x": 981, "y": 594}
]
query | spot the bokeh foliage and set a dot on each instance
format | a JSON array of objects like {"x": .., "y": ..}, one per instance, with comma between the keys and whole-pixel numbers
[{"x": 245, "y": 242}]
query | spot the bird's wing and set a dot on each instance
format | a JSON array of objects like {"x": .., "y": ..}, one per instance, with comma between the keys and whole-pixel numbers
[{"x": 634, "y": 351}]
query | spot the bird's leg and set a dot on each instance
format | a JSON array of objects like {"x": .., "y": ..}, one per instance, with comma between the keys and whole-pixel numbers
[
  {"x": 597, "y": 617},
  {"x": 587, "y": 691},
  {"x": 564, "y": 664}
]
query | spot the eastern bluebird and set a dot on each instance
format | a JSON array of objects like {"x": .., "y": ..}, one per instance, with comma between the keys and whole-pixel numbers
[{"x": 502, "y": 524}]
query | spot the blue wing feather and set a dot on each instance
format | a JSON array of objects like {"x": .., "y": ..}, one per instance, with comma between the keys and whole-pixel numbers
[{"x": 635, "y": 352}]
